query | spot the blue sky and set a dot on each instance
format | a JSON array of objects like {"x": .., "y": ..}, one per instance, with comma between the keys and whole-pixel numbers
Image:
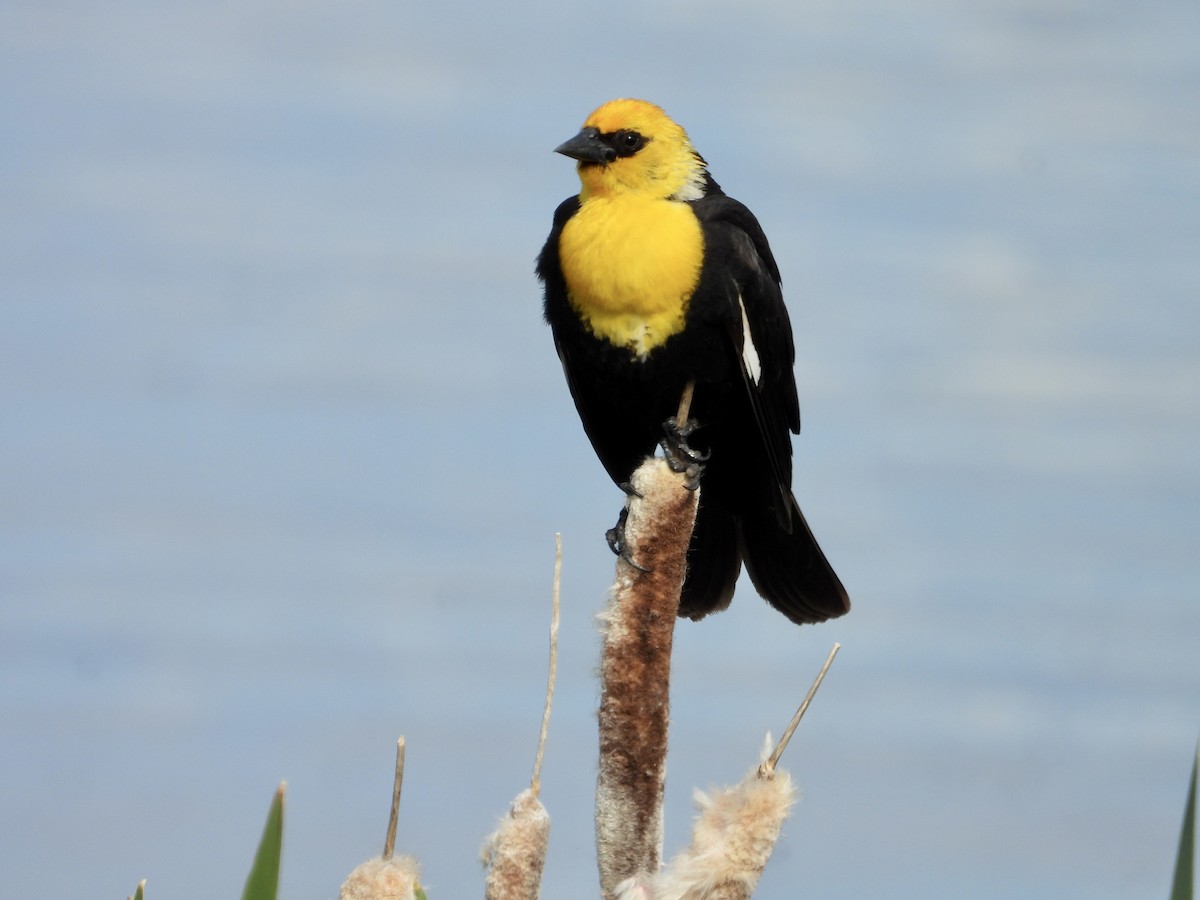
[{"x": 286, "y": 443}]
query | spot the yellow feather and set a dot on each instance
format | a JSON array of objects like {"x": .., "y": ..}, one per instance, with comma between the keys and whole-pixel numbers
[{"x": 631, "y": 264}]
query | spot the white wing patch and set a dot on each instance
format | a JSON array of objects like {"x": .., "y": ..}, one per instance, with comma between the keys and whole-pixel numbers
[{"x": 749, "y": 351}]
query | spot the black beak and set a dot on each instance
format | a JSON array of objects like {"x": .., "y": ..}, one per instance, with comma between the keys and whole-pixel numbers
[{"x": 587, "y": 148}]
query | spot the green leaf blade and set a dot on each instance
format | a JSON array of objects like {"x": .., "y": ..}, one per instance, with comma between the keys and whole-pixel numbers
[
  {"x": 263, "y": 881},
  {"x": 1183, "y": 885}
]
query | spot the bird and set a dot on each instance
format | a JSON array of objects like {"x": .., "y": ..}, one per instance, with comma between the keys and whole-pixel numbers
[{"x": 654, "y": 278}]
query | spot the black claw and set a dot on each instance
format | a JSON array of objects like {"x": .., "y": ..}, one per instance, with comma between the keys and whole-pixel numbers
[
  {"x": 672, "y": 426},
  {"x": 675, "y": 442},
  {"x": 624, "y": 554},
  {"x": 615, "y": 537},
  {"x": 690, "y": 471},
  {"x": 681, "y": 457},
  {"x": 630, "y": 491}
]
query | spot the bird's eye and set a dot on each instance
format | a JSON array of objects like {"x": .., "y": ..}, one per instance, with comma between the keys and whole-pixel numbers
[{"x": 627, "y": 143}]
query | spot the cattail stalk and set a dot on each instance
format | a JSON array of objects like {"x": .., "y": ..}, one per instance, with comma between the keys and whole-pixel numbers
[
  {"x": 387, "y": 877},
  {"x": 515, "y": 853},
  {"x": 639, "y": 625},
  {"x": 732, "y": 839}
]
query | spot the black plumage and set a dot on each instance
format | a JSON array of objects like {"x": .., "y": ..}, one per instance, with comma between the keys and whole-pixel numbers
[
  {"x": 747, "y": 512},
  {"x": 735, "y": 344}
]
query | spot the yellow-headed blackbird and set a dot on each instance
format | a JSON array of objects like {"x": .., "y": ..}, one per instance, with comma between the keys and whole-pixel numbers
[{"x": 655, "y": 278}]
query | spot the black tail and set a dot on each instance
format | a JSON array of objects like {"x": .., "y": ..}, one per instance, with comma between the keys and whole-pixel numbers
[
  {"x": 713, "y": 561},
  {"x": 789, "y": 570}
]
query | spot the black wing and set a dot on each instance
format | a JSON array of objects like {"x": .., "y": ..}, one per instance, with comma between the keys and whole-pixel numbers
[{"x": 759, "y": 332}]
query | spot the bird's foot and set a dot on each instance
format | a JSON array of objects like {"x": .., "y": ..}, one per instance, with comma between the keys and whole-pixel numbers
[
  {"x": 616, "y": 538},
  {"x": 679, "y": 455}
]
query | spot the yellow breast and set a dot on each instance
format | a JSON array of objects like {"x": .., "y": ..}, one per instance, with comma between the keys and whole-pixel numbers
[{"x": 631, "y": 266}]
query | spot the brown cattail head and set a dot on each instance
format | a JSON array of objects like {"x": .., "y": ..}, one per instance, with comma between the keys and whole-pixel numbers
[
  {"x": 397, "y": 878},
  {"x": 515, "y": 853},
  {"x": 733, "y": 838}
]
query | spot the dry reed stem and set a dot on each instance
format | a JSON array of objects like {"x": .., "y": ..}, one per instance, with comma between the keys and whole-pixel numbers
[
  {"x": 389, "y": 842},
  {"x": 768, "y": 766},
  {"x": 515, "y": 853},
  {"x": 387, "y": 877},
  {"x": 536, "y": 782},
  {"x": 685, "y": 404}
]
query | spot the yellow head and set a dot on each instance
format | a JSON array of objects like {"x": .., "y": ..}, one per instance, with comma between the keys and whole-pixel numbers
[{"x": 633, "y": 147}]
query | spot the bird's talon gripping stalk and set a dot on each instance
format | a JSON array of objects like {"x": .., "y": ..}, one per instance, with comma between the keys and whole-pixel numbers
[
  {"x": 616, "y": 539},
  {"x": 681, "y": 457},
  {"x": 690, "y": 471}
]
